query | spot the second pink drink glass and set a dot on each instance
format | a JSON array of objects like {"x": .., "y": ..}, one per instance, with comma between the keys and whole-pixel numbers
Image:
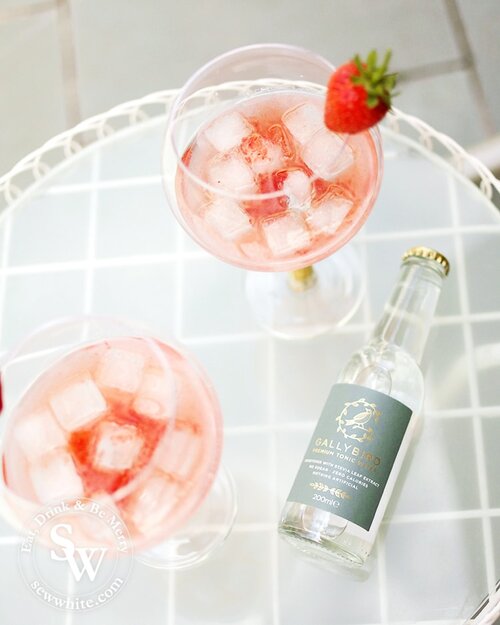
[{"x": 97, "y": 408}]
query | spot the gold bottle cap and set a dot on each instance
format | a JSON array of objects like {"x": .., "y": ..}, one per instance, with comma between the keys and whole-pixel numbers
[
  {"x": 427, "y": 252},
  {"x": 302, "y": 279}
]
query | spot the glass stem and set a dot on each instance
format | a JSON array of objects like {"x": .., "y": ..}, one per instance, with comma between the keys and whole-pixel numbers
[{"x": 302, "y": 279}]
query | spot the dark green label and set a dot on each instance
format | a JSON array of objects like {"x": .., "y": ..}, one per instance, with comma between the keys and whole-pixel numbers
[{"x": 351, "y": 453}]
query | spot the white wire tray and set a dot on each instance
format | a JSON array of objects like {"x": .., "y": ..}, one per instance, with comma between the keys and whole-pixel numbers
[{"x": 84, "y": 227}]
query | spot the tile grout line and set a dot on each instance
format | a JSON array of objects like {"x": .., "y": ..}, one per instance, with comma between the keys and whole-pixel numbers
[
  {"x": 382, "y": 578},
  {"x": 70, "y": 590},
  {"x": 444, "y": 231},
  {"x": 101, "y": 263},
  {"x": 91, "y": 241},
  {"x": 10, "y": 540},
  {"x": 367, "y": 311},
  {"x": 299, "y": 426},
  {"x": 179, "y": 259},
  {"x": 104, "y": 185},
  {"x": 353, "y": 328},
  {"x": 381, "y": 569},
  {"x": 273, "y": 452},
  {"x": 171, "y": 579},
  {"x": 166, "y": 257},
  {"x": 474, "y": 393},
  {"x": 399, "y": 519},
  {"x": 425, "y": 517},
  {"x": 68, "y": 63}
]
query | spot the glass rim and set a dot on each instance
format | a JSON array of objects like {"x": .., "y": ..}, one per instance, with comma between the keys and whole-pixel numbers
[{"x": 213, "y": 63}]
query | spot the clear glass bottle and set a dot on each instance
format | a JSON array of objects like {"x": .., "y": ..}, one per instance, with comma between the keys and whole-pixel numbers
[{"x": 345, "y": 481}]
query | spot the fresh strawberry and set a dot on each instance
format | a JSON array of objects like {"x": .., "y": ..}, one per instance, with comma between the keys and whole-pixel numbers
[{"x": 359, "y": 94}]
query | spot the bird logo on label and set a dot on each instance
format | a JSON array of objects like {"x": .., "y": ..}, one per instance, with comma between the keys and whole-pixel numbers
[{"x": 355, "y": 419}]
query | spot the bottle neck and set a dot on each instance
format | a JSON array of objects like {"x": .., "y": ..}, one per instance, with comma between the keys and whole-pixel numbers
[{"x": 408, "y": 314}]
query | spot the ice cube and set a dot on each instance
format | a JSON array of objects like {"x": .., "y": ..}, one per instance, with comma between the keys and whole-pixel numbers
[
  {"x": 120, "y": 369},
  {"x": 254, "y": 250},
  {"x": 327, "y": 155},
  {"x": 286, "y": 234},
  {"x": 117, "y": 447},
  {"x": 227, "y": 131},
  {"x": 262, "y": 155},
  {"x": 227, "y": 218},
  {"x": 180, "y": 454},
  {"x": 297, "y": 187},
  {"x": 155, "y": 398},
  {"x": 37, "y": 433},
  {"x": 150, "y": 504},
  {"x": 77, "y": 404},
  {"x": 54, "y": 476},
  {"x": 328, "y": 214},
  {"x": 231, "y": 173},
  {"x": 304, "y": 120}
]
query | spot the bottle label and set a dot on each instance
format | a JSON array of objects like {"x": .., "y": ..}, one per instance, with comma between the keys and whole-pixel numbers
[{"x": 351, "y": 453}]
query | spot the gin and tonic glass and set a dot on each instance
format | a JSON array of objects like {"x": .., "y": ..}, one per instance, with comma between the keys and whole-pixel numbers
[
  {"x": 100, "y": 409},
  {"x": 254, "y": 176}
]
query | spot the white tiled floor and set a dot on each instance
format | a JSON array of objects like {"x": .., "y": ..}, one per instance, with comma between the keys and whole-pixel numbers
[
  {"x": 71, "y": 58},
  {"x": 422, "y": 559},
  {"x": 241, "y": 405},
  {"x": 255, "y": 501},
  {"x": 226, "y": 589},
  {"x": 491, "y": 428},
  {"x": 39, "y": 301},
  {"x": 294, "y": 401},
  {"x": 50, "y": 230},
  {"x": 123, "y": 223},
  {"x": 487, "y": 359},
  {"x": 457, "y": 486},
  {"x": 17, "y": 593},
  {"x": 409, "y": 209},
  {"x": 152, "y": 586},
  {"x": 480, "y": 255},
  {"x": 305, "y": 580},
  {"x": 112, "y": 286}
]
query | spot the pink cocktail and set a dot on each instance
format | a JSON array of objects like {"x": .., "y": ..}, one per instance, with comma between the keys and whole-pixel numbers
[
  {"x": 266, "y": 186},
  {"x": 254, "y": 176},
  {"x": 130, "y": 422}
]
